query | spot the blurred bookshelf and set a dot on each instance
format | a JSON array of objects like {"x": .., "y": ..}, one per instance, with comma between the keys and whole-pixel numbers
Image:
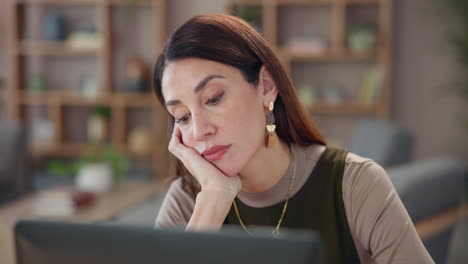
[
  {"x": 313, "y": 36},
  {"x": 2, "y": 99},
  {"x": 41, "y": 48},
  {"x": 52, "y": 78}
]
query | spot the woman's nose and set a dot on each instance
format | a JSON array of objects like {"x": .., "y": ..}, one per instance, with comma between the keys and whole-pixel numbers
[{"x": 202, "y": 127}]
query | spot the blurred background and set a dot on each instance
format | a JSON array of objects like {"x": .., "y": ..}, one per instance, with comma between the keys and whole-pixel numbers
[{"x": 384, "y": 79}]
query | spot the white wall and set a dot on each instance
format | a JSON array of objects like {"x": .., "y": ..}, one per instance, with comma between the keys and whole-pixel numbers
[
  {"x": 2, "y": 38},
  {"x": 423, "y": 67}
]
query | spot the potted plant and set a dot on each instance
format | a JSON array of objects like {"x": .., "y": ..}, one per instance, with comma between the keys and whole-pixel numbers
[
  {"x": 361, "y": 38},
  {"x": 252, "y": 14},
  {"x": 97, "y": 171},
  {"x": 98, "y": 123},
  {"x": 458, "y": 38},
  {"x": 2, "y": 98}
]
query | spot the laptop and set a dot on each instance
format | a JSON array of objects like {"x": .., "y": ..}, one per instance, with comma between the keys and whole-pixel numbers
[{"x": 47, "y": 242}]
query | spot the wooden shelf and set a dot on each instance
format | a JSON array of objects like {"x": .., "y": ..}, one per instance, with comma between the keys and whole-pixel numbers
[
  {"x": 84, "y": 101},
  {"x": 362, "y": 2},
  {"x": 86, "y": 2},
  {"x": 75, "y": 99},
  {"x": 32, "y": 48},
  {"x": 65, "y": 98},
  {"x": 60, "y": 2},
  {"x": 43, "y": 150},
  {"x": 105, "y": 54},
  {"x": 73, "y": 150},
  {"x": 136, "y": 100},
  {"x": 63, "y": 150},
  {"x": 345, "y": 108},
  {"x": 247, "y": 2},
  {"x": 307, "y": 2},
  {"x": 337, "y": 52},
  {"x": 135, "y": 2},
  {"x": 327, "y": 56},
  {"x": 33, "y": 98},
  {"x": 137, "y": 155}
]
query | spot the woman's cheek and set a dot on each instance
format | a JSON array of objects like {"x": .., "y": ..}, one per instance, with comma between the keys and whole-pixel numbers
[{"x": 184, "y": 138}]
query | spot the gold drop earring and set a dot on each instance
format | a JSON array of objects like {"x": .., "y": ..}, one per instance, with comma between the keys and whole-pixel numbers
[{"x": 271, "y": 126}]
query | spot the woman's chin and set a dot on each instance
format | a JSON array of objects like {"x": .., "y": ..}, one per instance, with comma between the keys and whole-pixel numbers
[
  {"x": 230, "y": 172},
  {"x": 230, "y": 165}
]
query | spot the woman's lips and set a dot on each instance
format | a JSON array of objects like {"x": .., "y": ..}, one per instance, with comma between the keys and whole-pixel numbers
[{"x": 215, "y": 153}]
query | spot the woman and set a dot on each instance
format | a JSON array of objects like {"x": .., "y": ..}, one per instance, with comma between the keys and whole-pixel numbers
[{"x": 254, "y": 157}]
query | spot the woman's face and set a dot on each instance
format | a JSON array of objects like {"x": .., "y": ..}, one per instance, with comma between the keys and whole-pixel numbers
[{"x": 213, "y": 105}]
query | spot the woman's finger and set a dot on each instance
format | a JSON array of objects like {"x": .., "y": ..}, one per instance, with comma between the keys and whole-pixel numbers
[
  {"x": 182, "y": 152},
  {"x": 203, "y": 171},
  {"x": 175, "y": 143}
]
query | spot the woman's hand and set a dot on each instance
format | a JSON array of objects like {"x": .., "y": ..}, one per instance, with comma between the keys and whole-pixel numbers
[
  {"x": 218, "y": 190},
  {"x": 209, "y": 177}
]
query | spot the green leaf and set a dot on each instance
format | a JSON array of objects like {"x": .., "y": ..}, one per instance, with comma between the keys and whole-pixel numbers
[
  {"x": 95, "y": 152},
  {"x": 102, "y": 111},
  {"x": 59, "y": 169},
  {"x": 458, "y": 38}
]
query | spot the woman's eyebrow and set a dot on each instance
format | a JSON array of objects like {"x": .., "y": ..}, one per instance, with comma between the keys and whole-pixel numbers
[
  {"x": 198, "y": 88},
  {"x": 203, "y": 82}
]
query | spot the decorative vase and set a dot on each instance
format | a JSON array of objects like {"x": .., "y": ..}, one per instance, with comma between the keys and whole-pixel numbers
[
  {"x": 55, "y": 27},
  {"x": 42, "y": 132},
  {"x": 362, "y": 40},
  {"x": 140, "y": 141},
  {"x": 89, "y": 86},
  {"x": 37, "y": 83},
  {"x": 97, "y": 128},
  {"x": 333, "y": 93},
  {"x": 307, "y": 94},
  {"x": 136, "y": 75},
  {"x": 95, "y": 177}
]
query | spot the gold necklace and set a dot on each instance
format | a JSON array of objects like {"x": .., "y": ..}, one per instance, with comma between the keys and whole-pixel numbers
[{"x": 275, "y": 232}]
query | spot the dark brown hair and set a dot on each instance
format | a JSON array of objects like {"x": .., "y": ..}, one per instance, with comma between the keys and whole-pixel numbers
[{"x": 232, "y": 41}]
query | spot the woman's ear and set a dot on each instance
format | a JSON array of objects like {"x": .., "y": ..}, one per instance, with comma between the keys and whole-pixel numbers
[{"x": 268, "y": 86}]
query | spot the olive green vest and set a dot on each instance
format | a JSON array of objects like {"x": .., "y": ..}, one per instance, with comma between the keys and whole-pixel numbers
[{"x": 318, "y": 206}]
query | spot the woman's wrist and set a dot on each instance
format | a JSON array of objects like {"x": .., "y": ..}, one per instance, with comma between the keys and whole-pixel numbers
[
  {"x": 221, "y": 191},
  {"x": 211, "y": 208}
]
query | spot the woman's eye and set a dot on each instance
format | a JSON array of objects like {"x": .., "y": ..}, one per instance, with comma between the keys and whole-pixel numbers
[
  {"x": 183, "y": 120},
  {"x": 215, "y": 99}
]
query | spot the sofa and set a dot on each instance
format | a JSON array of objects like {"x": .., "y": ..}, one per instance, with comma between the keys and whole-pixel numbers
[
  {"x": 15, "y": 179},
  {"x": 432, "y": 190}
]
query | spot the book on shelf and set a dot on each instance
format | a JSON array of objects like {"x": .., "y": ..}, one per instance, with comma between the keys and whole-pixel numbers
[
  {"x": 371, "y": 86},
  {"x": 62, "y": 201}
]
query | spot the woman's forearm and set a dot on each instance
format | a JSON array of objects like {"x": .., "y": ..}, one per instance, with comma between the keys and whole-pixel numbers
[{"x": 211, "y": 209}]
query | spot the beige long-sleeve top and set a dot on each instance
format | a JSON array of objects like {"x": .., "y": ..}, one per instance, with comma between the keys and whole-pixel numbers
[{"x": 381, "y": 228}]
